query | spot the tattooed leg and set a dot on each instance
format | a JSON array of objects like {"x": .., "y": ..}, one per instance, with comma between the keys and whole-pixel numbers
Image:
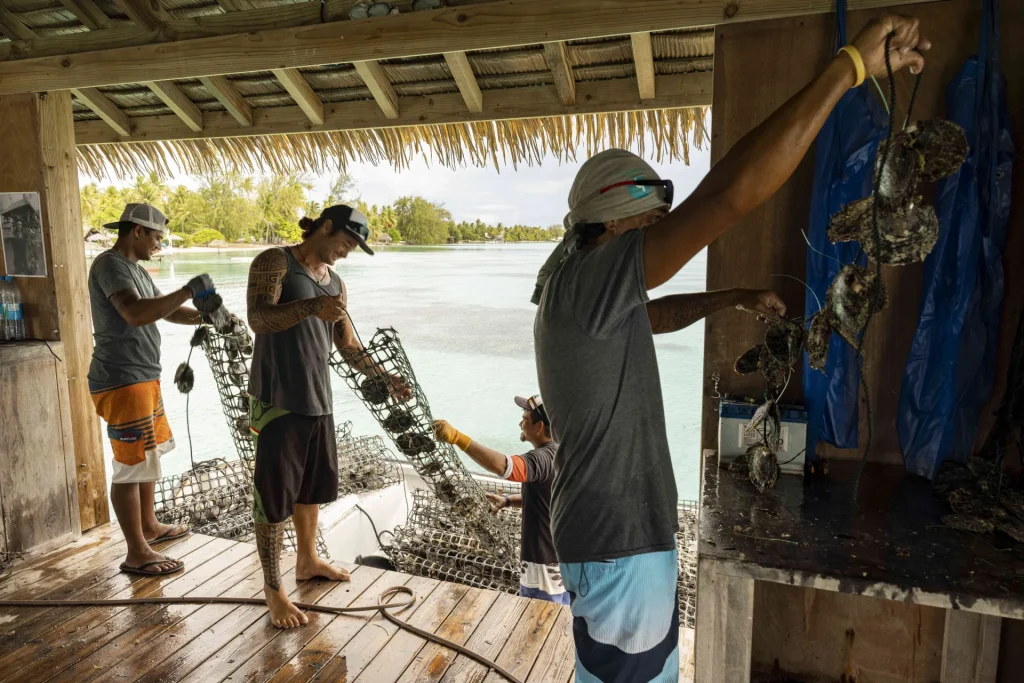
[{"x": 269, "y": 538}]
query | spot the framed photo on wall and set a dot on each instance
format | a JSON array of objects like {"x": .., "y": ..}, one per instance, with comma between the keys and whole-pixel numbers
[{"x": 21, "y": 233}]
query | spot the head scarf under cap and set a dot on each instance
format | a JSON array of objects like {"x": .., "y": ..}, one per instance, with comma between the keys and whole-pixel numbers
[{"x": 588, "y": 205}]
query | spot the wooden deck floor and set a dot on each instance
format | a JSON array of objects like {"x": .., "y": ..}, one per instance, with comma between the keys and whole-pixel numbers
[{"x": 207, "y": 643}]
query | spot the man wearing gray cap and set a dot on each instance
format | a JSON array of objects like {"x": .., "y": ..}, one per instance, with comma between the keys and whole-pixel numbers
[
  {"x": 613, "y": 510},
  {"x": 124, "y": 376}
]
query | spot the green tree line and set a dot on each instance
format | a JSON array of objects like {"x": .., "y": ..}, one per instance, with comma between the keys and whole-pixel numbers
[{"x": 235, "y": 208}]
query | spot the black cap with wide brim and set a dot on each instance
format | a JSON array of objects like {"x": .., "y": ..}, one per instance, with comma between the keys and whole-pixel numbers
[{"x": 351, "y": 221}]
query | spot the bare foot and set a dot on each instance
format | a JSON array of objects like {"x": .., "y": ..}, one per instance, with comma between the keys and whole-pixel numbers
[
  {"x": 317, "y": 566},
  {"x": 155, "y": 532},
  {"x": 137, "y": 559},
  {"x": 283, "y": 614}
]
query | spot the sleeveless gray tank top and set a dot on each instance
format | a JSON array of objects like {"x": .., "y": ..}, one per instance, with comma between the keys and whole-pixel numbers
[{"x": 289, "y": 368}]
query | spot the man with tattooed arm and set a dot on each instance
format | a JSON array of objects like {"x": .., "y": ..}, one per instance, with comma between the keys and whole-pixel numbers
[{"x": 297, "y": 308}]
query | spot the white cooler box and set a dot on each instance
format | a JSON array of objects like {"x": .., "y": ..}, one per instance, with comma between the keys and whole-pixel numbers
[{"x": 734, "y": 438}]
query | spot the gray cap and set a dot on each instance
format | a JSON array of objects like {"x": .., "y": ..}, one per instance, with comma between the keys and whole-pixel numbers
[{"x": 141, "y": 214}]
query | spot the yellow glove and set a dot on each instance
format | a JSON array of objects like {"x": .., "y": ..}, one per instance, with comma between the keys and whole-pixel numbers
[{"x": 445, "y": 432}]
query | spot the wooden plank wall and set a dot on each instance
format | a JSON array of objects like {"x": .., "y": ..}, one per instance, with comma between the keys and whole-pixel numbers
[
  {"x": 37, "y": 139},
  {"x": 748, "y": 87}
]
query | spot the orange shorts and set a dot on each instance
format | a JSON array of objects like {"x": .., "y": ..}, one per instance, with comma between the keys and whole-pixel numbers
[{"x": 137, "y": 428}]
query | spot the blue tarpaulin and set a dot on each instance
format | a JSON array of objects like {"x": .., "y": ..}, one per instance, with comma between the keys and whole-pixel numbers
[
  {"x": 844, "y": 160},
  {"x": 951, "y": 366}
]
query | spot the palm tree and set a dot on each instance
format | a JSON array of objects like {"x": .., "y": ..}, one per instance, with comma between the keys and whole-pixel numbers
[{"x": 149, "y": 190}]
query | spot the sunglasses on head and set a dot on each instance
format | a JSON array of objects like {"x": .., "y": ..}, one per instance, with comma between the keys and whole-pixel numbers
[{"x": 665, "y": 185}]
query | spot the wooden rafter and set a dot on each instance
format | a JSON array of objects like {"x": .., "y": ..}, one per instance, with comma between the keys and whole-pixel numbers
[
  {"x": 377, "y": 81},
  {"x": 558, "y": 63},
  {"x": 465, "y": 79},
  {"x": 232, "y": 100},
  {"x": 87, "y": 12},
  {"x": 299, "y": 90},
  {"x": 141, "y": 12},
  {"x": 179, "y": 103},
  {"x": 13, "y": 27},
  {"x": 594, "y": 97},
  {"x": 107, "y": 110},
  {"x": 643, "y": 58},
  {"x": 232, "y": 43}
]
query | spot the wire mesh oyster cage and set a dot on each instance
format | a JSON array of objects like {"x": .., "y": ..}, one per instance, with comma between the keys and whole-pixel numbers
[
  {"x": 686, "y": 545},
  {"x": 407, "y": 419},
  {"x": 6, "y": 561},
  {"x": 212, "y": 490},
  {"x": 364, "y": 463},
  {"x": 229, "y": 356}
]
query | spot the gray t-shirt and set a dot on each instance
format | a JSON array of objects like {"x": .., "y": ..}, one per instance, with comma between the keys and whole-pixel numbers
[
  {"x": 614, "y": 492},
  {"x": 122, "y": 353}
]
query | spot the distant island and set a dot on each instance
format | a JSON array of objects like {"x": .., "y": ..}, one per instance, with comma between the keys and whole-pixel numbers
[{"x": 230, "y": 210}]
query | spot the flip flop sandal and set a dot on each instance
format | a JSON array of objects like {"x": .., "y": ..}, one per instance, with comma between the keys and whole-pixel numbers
[
  {"x": 142, "y": 571},
  {"x": 169, "y": 536}
]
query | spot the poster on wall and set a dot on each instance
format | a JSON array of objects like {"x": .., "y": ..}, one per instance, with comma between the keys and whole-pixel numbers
[{"x": 21, "y": 233}]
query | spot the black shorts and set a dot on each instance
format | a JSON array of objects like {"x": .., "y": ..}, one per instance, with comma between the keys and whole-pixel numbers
[{"x": 296, "y": 463}]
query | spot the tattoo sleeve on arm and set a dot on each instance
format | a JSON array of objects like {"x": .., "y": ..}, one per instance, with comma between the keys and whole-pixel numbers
[
  {"x": 266, "y": 276},
  {"x": 675, "y": 312},
  {"x": 269, "y": 539}
]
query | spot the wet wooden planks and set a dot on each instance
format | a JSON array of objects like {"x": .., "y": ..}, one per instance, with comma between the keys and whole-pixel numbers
[{"x": 236, "y": 642}]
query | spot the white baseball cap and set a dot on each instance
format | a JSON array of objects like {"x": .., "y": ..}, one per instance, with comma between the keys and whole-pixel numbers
[{"x": 141, "y": 214}]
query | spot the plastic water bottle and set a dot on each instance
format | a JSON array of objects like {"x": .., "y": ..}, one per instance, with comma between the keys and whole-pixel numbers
[
  {"x": 6, "y": 311},
  {"x": 18, "y": 317}
]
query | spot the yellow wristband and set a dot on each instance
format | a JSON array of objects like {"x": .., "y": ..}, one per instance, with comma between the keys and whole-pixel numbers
[{"x": 858, "y": 62}]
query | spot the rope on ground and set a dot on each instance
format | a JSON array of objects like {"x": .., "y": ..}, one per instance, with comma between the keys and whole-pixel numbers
[{"x": 382, "y": 606}]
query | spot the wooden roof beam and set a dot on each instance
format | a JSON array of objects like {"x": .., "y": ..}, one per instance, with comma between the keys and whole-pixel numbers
[
  {"x": 465, "y": 79},
  {"x": 232, "y": 100},
  {"x": 297, "y": 86},
  {"x": 107, "y": 110},
  {"x": 13, "y": 27},
  {"x": 558, "y": 62},
  {"x": 91, "y": 16},
  {"x": 643, "y": 58},
  {"x": 377, "y": 81},
  {"x": 593, "y": 97},
  {"x": 231, "y": 43},
  {"x": 179, "y": 103},
  {"x": 142, "y": 13}
]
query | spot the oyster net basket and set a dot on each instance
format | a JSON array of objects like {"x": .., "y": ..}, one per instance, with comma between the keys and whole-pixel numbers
[
  {"x": 230, "y": 356},
  {"x": 6, "y": 561},
  {"x": 410, "y": 425},
  {"x": 438, "y": 544},
  {"x": 686, "y": 543},
  {"x": 364, "y": 463}
]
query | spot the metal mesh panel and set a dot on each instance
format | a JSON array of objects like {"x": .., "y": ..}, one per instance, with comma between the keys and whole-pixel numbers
[
  {"x": 410, "y": 425},
  {"x": 686, "y": 542},
  {"x": 229, "y": 356},
  {"x": 364, "y": 463},
  {"x": 6, "y": 560}
]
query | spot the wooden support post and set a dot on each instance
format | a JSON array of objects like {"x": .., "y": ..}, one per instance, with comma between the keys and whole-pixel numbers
[
  {"x": 232, "y": 100},
  {"x": 304, "y": 96},
  {"x": 725, "y": 619},
  {"x": 970, "y": 652},
  {"x": 643, "y": 58},
  {"x": 37, "y": 134},
  {"x": 554, "y": 55},
  {"x": 377, "y": 81},
  {"x": 91, "y": 16},
  {"x": 179, "y": 103},
  {"x": 107, "y": 110},
  {"x": 465, "y": 79}
]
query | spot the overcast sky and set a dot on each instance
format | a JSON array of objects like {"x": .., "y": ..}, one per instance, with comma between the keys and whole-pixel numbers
[{"x": 526, "y": 196}]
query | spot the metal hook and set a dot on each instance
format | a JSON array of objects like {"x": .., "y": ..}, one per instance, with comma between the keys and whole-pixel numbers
[{"x": 716, "y": 378}]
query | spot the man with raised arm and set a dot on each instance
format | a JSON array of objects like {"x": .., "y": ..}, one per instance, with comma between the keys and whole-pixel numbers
[
  {"x": 297, "y": 308},
  {"x": 539, "y": 576},
  {"x": 124, "y": 377},
  {"x": 614, "y": 498}
]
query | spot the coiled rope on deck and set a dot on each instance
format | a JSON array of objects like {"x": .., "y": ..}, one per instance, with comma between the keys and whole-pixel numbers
[{"x": 382, "y": 607}]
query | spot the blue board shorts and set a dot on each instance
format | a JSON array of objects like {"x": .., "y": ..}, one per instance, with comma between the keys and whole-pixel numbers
[{"x": 625, "y": 618}]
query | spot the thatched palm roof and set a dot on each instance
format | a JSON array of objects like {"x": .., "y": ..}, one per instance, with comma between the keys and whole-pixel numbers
[{"x": 498, "y": 137}]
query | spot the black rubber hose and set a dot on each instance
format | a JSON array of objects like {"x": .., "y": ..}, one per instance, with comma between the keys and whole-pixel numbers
[{"x": 381, "y": 607}]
